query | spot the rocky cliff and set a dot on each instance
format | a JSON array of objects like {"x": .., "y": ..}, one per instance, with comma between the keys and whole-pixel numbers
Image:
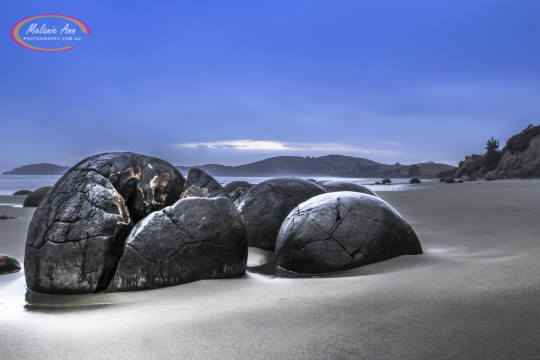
[
  {"x": 521, "y": 155},
  {"x": 520, "y": 158}
]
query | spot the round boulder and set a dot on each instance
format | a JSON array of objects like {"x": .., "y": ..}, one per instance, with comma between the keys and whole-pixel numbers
[
  {"x": 414, "y": 181},
  {"x": 450, "y": 181},
  {"x": 338, "y": 185},
  {"x": 264, "y": 207},
  {"x": 342, "y": 230},
  {"x": 490, "y": 175},
  {"x": 78, "y": 232},
  {"x": 196, "y": 238},
  {"x": 386, "y": 181},
  {"x": 233, "y": 185},
  {"x": 237, "y": 189},
  {"x": 36, "y": 197},
  {"x": 200, "y": 184},
  {"x": 8, "y": 264}
]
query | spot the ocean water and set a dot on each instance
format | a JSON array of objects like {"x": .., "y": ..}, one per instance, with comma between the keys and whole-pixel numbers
[{"x": 12, "y": 183}]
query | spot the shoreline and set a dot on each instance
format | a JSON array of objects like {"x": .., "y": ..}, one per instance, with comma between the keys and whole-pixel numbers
[{"x": 472, "y": 294}]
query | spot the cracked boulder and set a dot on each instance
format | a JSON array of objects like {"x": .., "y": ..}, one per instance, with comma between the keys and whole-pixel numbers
[
  {"x": 339, "y": 185},
  {"x": 200, "y": 184},
  {"x": 8, "y": 264},
  {"x": 196, "y": 238},
  {"x": 265, "y": 205},
  {"x": 78, "y": 232},
  {"x": 236, "y": 190},
  {"x": 342, "y": 230}
]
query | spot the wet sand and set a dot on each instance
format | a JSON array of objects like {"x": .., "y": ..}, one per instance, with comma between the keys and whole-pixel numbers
[{"x": 473, "y": 294}]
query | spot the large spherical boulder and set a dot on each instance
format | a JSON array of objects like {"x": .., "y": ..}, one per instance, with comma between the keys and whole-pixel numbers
[
  {"x": 342, "y": 230},
  {"x": 386, "y": 181},
  {"x": 77, "y": 233},
  {"x": 196, "y": 238},
  {"x": 339, "y": 185},
  {"x": 414, "y": 181},
  {"x": 200, "y": 184},
  {"x": 8, "y": 264},
  {"x": 265, "y": 206},
  {"x": 36, "y": 197}
]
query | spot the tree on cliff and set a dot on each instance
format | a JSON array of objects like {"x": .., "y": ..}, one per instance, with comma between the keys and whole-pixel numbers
[
  {"x": 492, "y": 156},
  {"x": 492, "y": 145}
]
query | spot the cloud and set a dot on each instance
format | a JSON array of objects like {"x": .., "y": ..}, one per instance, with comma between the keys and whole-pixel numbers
[{"x": 279, "y": 146}]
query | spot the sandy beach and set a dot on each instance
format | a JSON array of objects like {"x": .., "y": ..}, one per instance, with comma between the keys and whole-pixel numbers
[{"x": 473, "y": 294}]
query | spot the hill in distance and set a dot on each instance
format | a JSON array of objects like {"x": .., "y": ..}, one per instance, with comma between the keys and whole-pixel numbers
[
  {"x": 330, "y": 165},
  {"x": 38, "y": 169}
]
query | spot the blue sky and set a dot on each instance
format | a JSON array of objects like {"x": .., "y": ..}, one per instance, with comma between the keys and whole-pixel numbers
[{"x": 232, "y": 82}]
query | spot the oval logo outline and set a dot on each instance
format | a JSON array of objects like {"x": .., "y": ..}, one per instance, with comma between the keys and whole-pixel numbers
[{"x": 16, "y": 37}]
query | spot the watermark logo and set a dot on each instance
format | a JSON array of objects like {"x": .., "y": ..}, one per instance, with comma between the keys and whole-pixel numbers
[{"x": 49, "y": 32}]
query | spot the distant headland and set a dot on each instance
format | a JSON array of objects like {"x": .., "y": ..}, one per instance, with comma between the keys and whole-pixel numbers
[
  {"x": 38, "y": 169},
  {"x": 330, "y": 165}
]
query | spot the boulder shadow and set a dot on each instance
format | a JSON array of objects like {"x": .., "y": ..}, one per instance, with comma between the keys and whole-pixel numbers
[{"x": 53, "y": 304}]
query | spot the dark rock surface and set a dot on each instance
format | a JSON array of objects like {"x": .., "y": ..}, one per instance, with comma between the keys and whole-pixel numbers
[
  {"x": 233, "y": 185},
  {"x": 450, "y": 181},
  {"x": 490, "y": 175},
  {"x": 414, "y": 181},
  {"x": 8, "y": 264},
  {"x": 7, "y": 217},
  {"x": 342, "y": 230},
  {"x": 22, "y": 192},
  {"x": 387, "y": 181},
  {"x": 35, "y": 197},
  {"x": 338, "y": 185},
  {"x": 501, "y": 175},
  {"x": 77, "y": 233},
  {"x": 237, "y": 189},
  {"x": 200, "y": 184},
  {"x": 265, "y": 206},
  {"x": 198, "y": 238}
]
